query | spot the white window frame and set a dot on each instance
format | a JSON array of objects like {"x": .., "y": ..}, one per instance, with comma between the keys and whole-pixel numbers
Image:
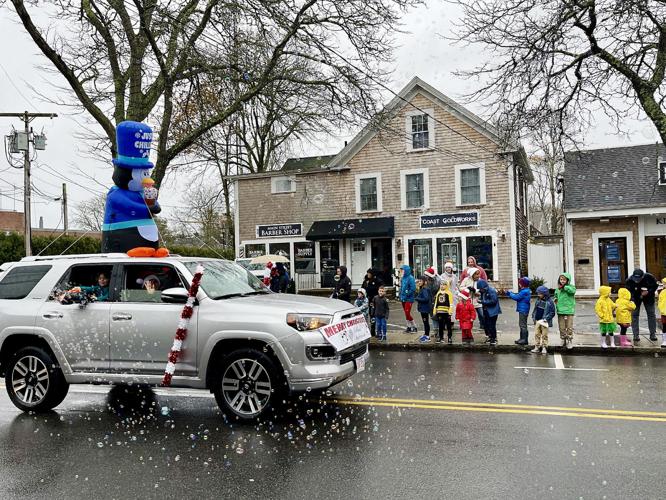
[
  {"x": 426, "y": 188},
  {"x": 482, "y": 181},
  {"x": 357, "y": 183},
  {"x": 275, "y": 180},
  {"x": 431, "y": 129}
]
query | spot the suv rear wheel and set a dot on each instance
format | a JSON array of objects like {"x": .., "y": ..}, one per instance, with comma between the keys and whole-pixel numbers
[
  {"x": 34, "y": 381},
  {"x": 248, "y": 385}
]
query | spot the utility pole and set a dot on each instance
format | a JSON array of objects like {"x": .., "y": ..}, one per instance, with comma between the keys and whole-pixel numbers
[
  {"x": 64, "y": 207},
  {"x": 24, "y": 145}
]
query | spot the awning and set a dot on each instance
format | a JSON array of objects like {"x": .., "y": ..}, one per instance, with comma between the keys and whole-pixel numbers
[{"x": 377, "y": 227}]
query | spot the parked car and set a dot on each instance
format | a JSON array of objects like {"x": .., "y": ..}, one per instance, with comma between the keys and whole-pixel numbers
[
  {"x": 248, "y": 346},
  {"x": 256, "y": 269}
]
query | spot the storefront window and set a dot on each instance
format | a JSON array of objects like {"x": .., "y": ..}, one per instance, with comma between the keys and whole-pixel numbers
[
  {"x": 420, "y": 256},
  {"x": 304, "y": 257},
  {"x": 255, "y": 250},
  {"x": 481, "y": 248},
  {"x": 279, "y": 249},
  {"x": 655, "y": 253},
  {"x": 448, "y": 249},
  {"x": 329, "y": 254}
]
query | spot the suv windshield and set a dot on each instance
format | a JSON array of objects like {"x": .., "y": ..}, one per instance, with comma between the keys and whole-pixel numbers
[{"x": 223, "y": 279}]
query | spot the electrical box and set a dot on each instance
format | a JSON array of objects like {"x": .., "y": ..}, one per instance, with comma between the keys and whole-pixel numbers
[
  {"x": 20, "y": 141},
  {"x": 11, "y": 141},
  {"x": 39, "y": 141}
]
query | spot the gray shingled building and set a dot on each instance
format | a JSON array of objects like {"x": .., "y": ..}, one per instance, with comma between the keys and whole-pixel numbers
[{"x": 615, "y": 209}]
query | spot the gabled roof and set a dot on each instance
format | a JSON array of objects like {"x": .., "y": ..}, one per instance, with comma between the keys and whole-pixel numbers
[
  {"x": 613, "y": 178},
  {"x": 306, "y": 163},
  {"x": 402, "y": 99}
]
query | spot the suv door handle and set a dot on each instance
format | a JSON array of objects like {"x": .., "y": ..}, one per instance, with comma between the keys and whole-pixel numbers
[
  {"x": 52, "y": 315},
  {"x": 121, "y": 317}
]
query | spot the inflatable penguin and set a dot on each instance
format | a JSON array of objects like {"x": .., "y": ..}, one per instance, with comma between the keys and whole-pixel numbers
[{"x": 128, "y": 222}]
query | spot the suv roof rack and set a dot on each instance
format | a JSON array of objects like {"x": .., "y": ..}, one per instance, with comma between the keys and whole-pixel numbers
[{"x": 35, "y": 258}]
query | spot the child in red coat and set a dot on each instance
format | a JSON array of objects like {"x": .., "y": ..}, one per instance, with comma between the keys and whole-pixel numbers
[{"x": 466, "y": 315}]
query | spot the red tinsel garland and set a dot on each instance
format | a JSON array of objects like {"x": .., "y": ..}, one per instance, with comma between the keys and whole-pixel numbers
[{"x": 181, "y": 331}]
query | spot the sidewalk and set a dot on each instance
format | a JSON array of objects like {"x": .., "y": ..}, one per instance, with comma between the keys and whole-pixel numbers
[{"x": 586, "y": 336}]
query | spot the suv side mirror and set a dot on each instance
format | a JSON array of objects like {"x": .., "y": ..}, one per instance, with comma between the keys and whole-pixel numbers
[{"x": 175, "y": 295}]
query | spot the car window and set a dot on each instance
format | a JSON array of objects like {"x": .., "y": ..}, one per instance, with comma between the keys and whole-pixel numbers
[
  {"x": 223, "y": 279},
  {"x": 19, "y": 281},
  {"x": 145, "y": 283},
  {"x": 92, "y": 281}
]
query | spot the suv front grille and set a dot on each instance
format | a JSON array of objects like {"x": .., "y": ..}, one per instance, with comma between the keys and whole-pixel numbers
[{"x": 352, "y": 355}]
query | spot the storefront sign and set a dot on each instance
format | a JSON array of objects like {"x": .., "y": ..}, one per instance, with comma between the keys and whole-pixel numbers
[
  {"x": 463, "y": 219},
  {"x": 614, "y": 274},
  {"x": 655, "y": 225},
  {"x": 346, "y": 333},
  {"x": 255, "y": 250},
  {"x": 279, "y": 230}
]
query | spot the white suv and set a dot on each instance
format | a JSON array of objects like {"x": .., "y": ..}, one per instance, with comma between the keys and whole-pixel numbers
[{"x": 250, "y": 347}]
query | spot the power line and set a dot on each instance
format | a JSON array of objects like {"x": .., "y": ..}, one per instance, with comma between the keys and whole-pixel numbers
[{"x": 14, "y": 85}]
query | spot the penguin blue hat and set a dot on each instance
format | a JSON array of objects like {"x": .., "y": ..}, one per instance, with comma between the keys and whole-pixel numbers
[{"x": 133, "y": 140}]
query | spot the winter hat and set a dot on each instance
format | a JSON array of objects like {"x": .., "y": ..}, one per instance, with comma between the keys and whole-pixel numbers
[
  {"x": 269, "y": 265},
  {"x": 430, "y": 272},
  {"x": 543, "y": 290},
  {"x": 133, "y": 140},
  {"x": 362, "y": 290},
  {"x": 471, "y": 271},
  {"x": 464, "y": 294},
  {"x": 524, "y": 282},
  {"x": 637, "y": 275},
  {"x": 448, "y": 265}
]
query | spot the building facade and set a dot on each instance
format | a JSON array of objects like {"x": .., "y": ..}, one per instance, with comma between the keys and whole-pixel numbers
[
  {"x": 615, "y": 210},
  {"x": 427, "y": 182}
]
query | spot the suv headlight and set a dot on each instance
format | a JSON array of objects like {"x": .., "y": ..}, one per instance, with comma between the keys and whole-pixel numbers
[{"x": 307, "y": 322}]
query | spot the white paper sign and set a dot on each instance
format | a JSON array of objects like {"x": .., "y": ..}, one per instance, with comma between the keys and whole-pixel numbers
[{"x": 346, "y": 333}]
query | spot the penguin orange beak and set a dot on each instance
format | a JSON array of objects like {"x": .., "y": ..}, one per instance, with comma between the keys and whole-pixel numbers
[{"x": 147, "y": 181}]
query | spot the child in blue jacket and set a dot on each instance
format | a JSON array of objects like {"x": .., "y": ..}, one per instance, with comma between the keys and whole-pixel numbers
[
  {"x": 491, "y": 309},
  {"x": 522, "y": 299},
  {"x": 424, "y": 306}
]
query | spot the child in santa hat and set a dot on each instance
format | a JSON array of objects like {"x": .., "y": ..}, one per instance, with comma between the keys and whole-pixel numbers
[{"x": 466, "y": 314}]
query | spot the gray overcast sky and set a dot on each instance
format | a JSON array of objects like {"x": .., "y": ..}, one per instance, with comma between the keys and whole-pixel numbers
[{"x": 421, "y": 52}]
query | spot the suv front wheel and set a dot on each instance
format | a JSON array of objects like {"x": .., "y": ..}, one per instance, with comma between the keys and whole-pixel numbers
[
  {"x": 34, "y": 381},
  {"x": 248, "y": 385}
]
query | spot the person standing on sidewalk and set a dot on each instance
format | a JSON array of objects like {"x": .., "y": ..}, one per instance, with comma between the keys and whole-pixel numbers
[
  {"x": 542, "y": 315},
  {"x": 371, "y": 284},
  {"x": 380, "y": 306},
  {"x": 471, "y": 264},
  {"x": 565, "y": 300},
  {"x": 642, "y": 287},
  {"x": 471, "y": 284},
  {"x": 407, "y": 291},
  {"x": 604, "y": 309},
  {"x": 450, "y": 276},
  {"x": 424, "y": 306},
  {"x": 662, "y": 311},
  {"x": 442, "y": 309},
  {"x": 624, "y": 308},
  {"x": 466, "y": 315},
  {"x": 343, "y": 285},
  {"x": 491, "y": 309},
  {"x": 362, "y": 303},
  {"x": 433, "y": 282},
  {"x": 522, "y": 298}
]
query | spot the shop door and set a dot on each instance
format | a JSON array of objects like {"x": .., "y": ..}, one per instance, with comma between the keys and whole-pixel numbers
[
  {"x": 381, "y": 254},
  {"x": 329, "y": 260},
  {"x": 655, "y": 253},
  {"x": 613, "y": 262},
  {"x": 420, "y": 256},
  {"x": 359, "y": 261},
  {"x": 448, "y": 251}
]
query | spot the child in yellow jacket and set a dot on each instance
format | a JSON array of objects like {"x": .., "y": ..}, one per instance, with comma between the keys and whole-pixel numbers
[
  {"x": 604, "y": 309},
  {"x": 662, "y": 311},
  {"x": 624, "y": 307}
]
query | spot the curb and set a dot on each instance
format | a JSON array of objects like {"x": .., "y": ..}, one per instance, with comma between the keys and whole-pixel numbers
[{"x": 583, "y": 350}]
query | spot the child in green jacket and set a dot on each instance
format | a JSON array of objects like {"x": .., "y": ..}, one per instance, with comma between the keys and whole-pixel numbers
[{"x": 565, "y": 301}]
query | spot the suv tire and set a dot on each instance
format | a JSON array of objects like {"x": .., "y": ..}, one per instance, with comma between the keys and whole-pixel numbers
[
  {"x": 248, "y": 385},
  {"x": 34, "y": 380}
]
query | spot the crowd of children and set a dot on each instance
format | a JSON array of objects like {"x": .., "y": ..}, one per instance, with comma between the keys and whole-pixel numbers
[{"x": 445, "y": 300}]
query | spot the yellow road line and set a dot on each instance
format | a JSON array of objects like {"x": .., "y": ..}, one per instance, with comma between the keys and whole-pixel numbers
[
  {"x": 431, "y": 402},
  {"x": 500, "y": 410}
]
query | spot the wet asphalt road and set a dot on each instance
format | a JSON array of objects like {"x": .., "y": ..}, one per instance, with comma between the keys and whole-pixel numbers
[{"x": 477, "y": 429}]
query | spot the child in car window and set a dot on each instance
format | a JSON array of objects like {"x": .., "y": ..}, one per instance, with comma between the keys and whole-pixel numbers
[
  {"x": 151, "y": 284},
  {"x": 98, "y": 292}
]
